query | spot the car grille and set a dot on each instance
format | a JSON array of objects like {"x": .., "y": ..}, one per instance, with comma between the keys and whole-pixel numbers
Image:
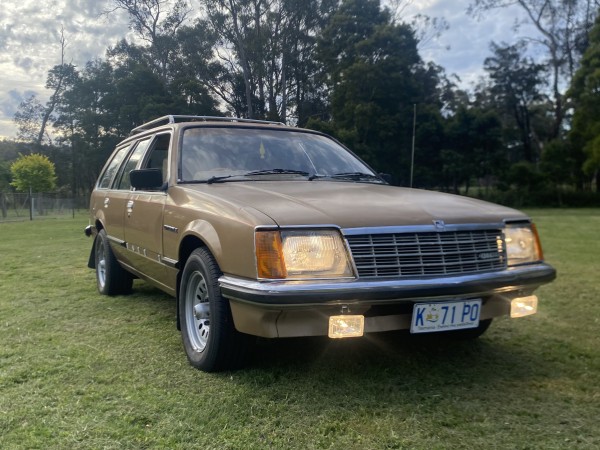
[{"x": 427, "y": 253}]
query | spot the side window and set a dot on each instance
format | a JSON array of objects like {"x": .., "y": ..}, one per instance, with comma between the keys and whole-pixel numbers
[
  {"x": 113, "y": 166},
  {"x": 131, "y": 164},
  {"x": 158, "y": 155}
]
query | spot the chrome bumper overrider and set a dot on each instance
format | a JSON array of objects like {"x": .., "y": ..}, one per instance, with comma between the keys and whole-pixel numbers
[{"x": 305, "y": 293}]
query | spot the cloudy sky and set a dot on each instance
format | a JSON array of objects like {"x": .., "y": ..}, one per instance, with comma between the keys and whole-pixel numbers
[{"x": 30, "y": 31}]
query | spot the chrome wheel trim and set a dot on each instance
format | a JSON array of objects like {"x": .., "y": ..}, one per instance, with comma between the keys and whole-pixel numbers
[{"x": 197, "y": 311}]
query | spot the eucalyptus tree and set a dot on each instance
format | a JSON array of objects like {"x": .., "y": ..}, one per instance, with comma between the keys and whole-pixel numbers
[
  {"x": 584, "y": 135},
  {"x": 516, "y": 86},
  {"x": 473, "y": 148},
  {"x": 32, "y": 117},
  {"x": 563, "y": 28},
  {"x": 376, "y": 79},
  {"x": 156, "y": 22},
  {"x": 28, "y": 119},
  {"x": 266, "y": 50}
]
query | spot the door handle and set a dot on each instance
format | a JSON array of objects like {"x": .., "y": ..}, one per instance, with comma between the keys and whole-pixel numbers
[
  {"x": 129, "y": 208},
  {"x": 106, "y": 202}
]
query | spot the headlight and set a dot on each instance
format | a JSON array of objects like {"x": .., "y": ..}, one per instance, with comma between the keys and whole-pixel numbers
[
  {"x": 301, "y": 254},
  {"x": 522, "y": 244}
]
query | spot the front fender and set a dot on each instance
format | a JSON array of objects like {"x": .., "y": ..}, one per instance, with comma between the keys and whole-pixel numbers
[{"x": 204, "y": 231}]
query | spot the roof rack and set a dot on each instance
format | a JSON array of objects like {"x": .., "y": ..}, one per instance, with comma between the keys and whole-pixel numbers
[{"x": 174, "y": 119}]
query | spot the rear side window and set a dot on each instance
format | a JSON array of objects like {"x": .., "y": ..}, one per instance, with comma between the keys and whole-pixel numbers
[{"x": 111, "y": 170}]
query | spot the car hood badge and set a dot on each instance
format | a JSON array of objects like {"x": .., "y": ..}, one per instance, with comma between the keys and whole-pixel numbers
[{"x": 439, "y": 225}]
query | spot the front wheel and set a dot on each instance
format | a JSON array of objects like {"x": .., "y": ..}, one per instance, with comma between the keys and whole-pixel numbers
[{"x": 209, "y": 337}]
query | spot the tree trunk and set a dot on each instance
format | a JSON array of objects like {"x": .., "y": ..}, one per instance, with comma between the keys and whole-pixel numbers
[
  {"x": 283, "y": 90},
  {"x": 243, "y": 58}
]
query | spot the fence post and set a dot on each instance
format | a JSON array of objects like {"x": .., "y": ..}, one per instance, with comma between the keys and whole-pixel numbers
[{"x": 30, "y": 204}]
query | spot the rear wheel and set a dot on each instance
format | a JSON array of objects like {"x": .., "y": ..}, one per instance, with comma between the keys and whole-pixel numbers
[
  {"x": 111, "y": 278},
  {"x": 209, "y": 337}
]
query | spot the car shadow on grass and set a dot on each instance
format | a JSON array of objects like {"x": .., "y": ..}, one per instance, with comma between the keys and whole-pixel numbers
[{"x": 398, "y": 360}]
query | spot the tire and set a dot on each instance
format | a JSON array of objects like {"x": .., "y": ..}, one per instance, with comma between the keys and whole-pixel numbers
[
  {"x": 471, "y": 333},
  {"x": 209, "y": 337},
  {"x": 111, "y": 278}
]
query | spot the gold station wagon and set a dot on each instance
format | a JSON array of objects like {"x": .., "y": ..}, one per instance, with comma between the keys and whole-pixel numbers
[{"x": 260, "y": 229}]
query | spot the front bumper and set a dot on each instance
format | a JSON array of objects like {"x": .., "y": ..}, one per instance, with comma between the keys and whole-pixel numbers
[{"x": 299, "y": 308}]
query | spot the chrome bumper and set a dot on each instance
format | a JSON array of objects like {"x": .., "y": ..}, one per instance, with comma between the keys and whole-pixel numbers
[{"x": 282, "y": 294}]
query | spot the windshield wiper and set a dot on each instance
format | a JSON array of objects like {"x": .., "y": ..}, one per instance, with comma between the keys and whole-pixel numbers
[
  {"x": 277, "y": 172},
  {"x": 211, "y": 180},
  {"x": 355, "y": 175},
  {"x": 215, "y": 179}
]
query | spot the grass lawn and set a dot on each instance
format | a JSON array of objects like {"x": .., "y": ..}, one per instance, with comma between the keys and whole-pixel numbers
[{"x": 81, "y": 370}]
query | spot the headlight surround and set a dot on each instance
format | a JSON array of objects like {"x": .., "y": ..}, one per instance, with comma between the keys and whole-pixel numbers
[
  {"x": 302, "y": 254},
  {"x": 522, "y": 244}
]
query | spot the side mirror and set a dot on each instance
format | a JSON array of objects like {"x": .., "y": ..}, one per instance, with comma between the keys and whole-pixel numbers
[{"x": 146, "y": 179}]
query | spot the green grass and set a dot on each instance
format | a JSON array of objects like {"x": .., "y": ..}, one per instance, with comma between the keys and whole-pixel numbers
[{"x": 80, "y": 370}]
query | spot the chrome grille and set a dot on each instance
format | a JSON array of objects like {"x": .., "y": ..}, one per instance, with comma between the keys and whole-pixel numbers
[{"x": 427, "y": 253}]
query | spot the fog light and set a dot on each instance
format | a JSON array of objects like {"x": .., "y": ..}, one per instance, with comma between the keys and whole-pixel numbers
[
  {"x": 523, "y": 306},
  {"x": 346, "y": 326}
]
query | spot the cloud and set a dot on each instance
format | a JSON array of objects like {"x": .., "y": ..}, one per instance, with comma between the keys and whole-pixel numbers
[
  {"x": 30, "y": 33},
  {"x": 468, "y": 38}
]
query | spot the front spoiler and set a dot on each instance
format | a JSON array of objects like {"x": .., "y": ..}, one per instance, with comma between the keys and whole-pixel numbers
[{"x": 282, "y": 294}]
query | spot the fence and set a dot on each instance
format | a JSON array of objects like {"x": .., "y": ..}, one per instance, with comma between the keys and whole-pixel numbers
[{"x": 17, "y": 206}]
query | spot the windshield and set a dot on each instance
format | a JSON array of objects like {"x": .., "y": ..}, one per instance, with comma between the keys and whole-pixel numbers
[{"x": 215, "y": 154}]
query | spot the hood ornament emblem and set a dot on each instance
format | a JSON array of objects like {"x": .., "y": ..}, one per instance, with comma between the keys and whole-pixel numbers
[{"x": 439, "y": 225}]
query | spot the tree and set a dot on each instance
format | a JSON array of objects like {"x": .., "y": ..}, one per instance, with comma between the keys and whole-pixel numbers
[
  {"x": 32, "y": 118},
  {"x": 156, "y": 22},
  {"x": 57, "y": 80},
  {"x": 585, "y": 93},
  {"x": 472, "y": 148},
  {"x": 35, "y": 172},
  {"x": 376, "y": 76},
  {"x": 353, "y": 22},
  {"x": 28, "y": 119},
  {"x": 516, "y": 87},
  {"x": 563, "y": 27},
  {"x": 266, "y": 65}
]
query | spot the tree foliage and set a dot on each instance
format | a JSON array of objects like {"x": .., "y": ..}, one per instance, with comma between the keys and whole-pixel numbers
[
  {"x": 28, "y": 119},
  {"x": 515, "y": 89},
  {"x": 563, "y": 28},
  {"x": 585, "y": 93},
  {"x": 35, "y": 172},
  {"x": 376, "y": 77},
  {"x": 351, "y": 68}
]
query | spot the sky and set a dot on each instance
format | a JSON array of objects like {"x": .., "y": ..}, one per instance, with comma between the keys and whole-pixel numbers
[{"x": 30, "y": 32}]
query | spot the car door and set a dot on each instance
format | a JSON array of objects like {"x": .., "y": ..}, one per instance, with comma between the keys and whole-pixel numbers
[
  {"x": 107, "y": 203},
  {"x": 143, "y": 222},
  {"x": 115, "y": 201}
]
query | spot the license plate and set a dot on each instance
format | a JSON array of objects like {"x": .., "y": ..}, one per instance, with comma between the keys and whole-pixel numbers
[{"x": 445, "y": 316}]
